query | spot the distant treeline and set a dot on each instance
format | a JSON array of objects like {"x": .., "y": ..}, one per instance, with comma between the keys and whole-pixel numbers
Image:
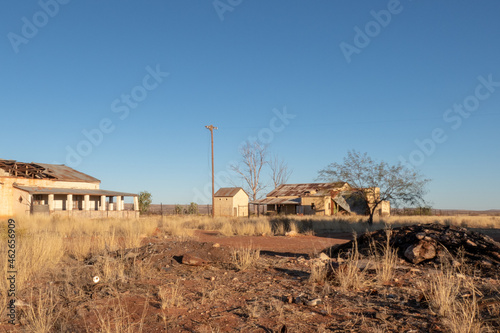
[{"x": 426, "y": 211}]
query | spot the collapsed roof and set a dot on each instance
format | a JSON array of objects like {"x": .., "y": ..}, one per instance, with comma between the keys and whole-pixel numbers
[
  {"x": 12, "y": 168},
  {"x": 291, "y": 190}
]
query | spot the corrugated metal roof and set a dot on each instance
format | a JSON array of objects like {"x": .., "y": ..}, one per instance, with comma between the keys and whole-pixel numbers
[
  {"x": 63, "y": 172},
  {"x": 276, "y": 201},
  {"x": 44, "y": 171},
  {"x": 290, "y": 190},
  {"x": 75, "y": 191},
  {"x": 228, "y": 191},
  {"x": 342, "y": 203}
]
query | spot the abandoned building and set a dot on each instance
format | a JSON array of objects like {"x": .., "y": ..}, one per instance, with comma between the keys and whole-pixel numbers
[
  {"x": 231, "y": 201},
  {"x": 29, "y": 188},
  {"x": 321, "y": 199}
]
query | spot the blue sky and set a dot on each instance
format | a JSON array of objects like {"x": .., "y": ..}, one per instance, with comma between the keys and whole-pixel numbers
[{"x": 417, "y": 81}]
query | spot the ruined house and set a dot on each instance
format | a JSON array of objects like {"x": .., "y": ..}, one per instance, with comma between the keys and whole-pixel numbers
[
  {"x": 29, "y": 188},
  {"x": 321, "y": 199},
  {"x": 231, "y": 201}
]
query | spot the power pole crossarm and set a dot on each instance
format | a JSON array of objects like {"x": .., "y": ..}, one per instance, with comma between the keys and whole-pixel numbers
[{"x": 211, "y": 128}]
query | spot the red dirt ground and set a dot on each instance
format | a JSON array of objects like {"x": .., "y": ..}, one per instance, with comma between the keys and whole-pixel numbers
[
  {"x": 298, "y": 244},
  {"x": 273, "y": 295}
]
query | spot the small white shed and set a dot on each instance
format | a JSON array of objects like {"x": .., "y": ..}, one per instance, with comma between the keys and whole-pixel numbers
[{"x": 231, "y": 201}]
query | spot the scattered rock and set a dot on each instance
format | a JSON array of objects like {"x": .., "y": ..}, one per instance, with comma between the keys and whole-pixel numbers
[
  {"x": 431, "y": 244},
  {"x": 216, "y": 245},
  {"x": 420, "y": 235},
  {"x": 470, "y": 243},
  {"x": 323, "y": 256},
  {"x": 313, "y": 302},
  {"x": 191, "y": 260},
  {"x": 423, "y": 250},
  {"x": 292, "y": 233}
]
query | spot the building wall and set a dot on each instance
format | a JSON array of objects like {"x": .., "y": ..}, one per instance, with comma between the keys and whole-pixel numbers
[
  {"x": 9, "y": 196},
  {"x": 232, "y": 206},
  {"x": 223, "y": 206},
  {"x": 372, "y": 195},
  {"x": 19, "y": 201},
  {"x": 240, "y": 202},
  {"x": 385, "y": 208},
  {"x": 322, "y": 205}
]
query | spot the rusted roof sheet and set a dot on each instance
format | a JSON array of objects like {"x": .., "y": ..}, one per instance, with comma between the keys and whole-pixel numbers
[
  {"x": 44, "y": 171},
  {"x": 63, "y": 172},
  {"x": 228, "y": 191},
  {"x": 75, "y": 191},
  {"x": 276, "y": 201},
  {"x": 290, "y": 190},
  {"x": 339, "y": 199}
]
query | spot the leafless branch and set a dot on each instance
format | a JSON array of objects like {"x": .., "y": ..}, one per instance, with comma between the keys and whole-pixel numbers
[
  {"x": 279, "y": 171},
  {"x": 254, "y": 158}
]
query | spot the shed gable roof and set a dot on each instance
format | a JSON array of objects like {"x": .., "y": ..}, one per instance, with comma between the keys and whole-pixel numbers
[{"x": 228, "y": 191}]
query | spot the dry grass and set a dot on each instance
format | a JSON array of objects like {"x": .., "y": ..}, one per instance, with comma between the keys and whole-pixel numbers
[
  {"x": 245, "y": 257},
  {"x": 386, "y": 259},
  {"x": 42, "y": 242},
  {"x": 184, "y": 226},
  {"x": 319, "y": 272},
  {"x": 453, "y": 296},
  {"x": 41, "y": 315},
  {"x": 177, "y": 227},
  {"x": 118, "y": 318},
  {"x": 348, "y": 275},
  {"x": 46, "y": 245},
  {"x": 170, "y": 296},
  {"x": 253, "y": 309},
  {"x": 358, "y": 224}
]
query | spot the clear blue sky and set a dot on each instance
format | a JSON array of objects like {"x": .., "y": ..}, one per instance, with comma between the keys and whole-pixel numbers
[{"x": 374, "y": 76}]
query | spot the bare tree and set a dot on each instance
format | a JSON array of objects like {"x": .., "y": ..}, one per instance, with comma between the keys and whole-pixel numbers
[
  {"x": 397, "y": 183},
  {"x": 254, "y": 158},
  {"x": 279, "y": 171}
]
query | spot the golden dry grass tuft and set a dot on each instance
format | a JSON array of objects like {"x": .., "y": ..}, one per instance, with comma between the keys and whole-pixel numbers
[
  {"x": 170, "y": 296},
  {"x": 244, "y": 257},
  {"x": 386, "y": 259},
  {"x": 42, "y": 242},
  {"x": 453, "y": 296},
  {"x": 41, "y": 315},
  {"x": 118, "y": 318},
  {"x": 349, "y": 275},
  {"x": 319, "y": 271}
]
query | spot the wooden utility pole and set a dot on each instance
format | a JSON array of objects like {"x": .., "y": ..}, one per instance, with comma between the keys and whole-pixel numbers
[{"x": 211, "y": 128}]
